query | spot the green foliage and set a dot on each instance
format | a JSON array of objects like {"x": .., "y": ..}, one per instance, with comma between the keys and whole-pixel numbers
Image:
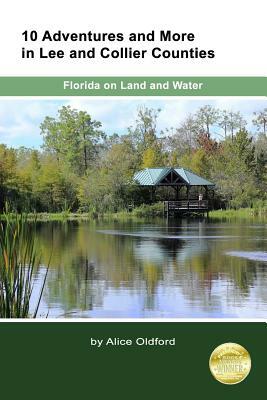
[
  {"x": 72, "y": 137},
  {"x": 258, "y": 210},
  {"x": 7, "y": 174},
  {"x": 233, "y": 170},
  {"x": 152, "y": 157},
  {"x": 197, "y": 161},
  {"x": 146, "y": 210},
  {"x": 18, "y": 260},
  {"x": 81, "y": 169}
]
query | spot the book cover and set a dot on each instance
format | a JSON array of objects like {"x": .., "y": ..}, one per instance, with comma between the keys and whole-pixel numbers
[{"x": 133, "y": 201}]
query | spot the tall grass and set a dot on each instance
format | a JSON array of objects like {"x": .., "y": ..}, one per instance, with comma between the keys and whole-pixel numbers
[
  {"x": 241, "y": 213},
  {"x": 18, "y": 260}
]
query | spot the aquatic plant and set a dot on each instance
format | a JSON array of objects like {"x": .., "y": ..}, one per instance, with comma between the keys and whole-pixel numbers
[
  {"x": 18, "y": 262},
  {"x": 241, "y": 213}
]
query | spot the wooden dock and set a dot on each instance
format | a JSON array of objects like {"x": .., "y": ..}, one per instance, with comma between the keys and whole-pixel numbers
[{"x": 186, "y": 207}]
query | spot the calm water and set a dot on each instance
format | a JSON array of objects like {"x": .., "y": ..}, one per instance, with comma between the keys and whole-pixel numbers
[{"x": 181, "y": 269}]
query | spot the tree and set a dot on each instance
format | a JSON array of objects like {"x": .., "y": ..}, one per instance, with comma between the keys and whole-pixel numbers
[
  {"x": 244, "y": 149},
  {"x": 261, "y": 163},
  {"x": 206, "y": 116},
  {"x": 90, "y": 135},
  {"x": 144, "y": 139},
  {"x": 233, "y": 170},
  {"x": 8, "y": 163},
  {"x": 146, "y": 125},
  {"x": 207, "y": 144},
  {"x": 151, "y": 158},
  {"x": 55, "y": 189},
  {"x": 231, "y": 121},
  {"x": 108, "y": 186},
  {"x": 197, "y": 162},
  {"x": 260, "y": 120},
  {"x": 79, "y": 167},
  {"x": 144, "y": 133},
  {"x": 224, "y": 121},
  {"x": 183, "y": 140},
  {"x": 73, "y": 137},
  {"x": 28, "y": 172}
]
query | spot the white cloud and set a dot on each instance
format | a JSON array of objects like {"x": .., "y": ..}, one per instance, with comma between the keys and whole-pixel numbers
[{"x": 20, "y": 121}]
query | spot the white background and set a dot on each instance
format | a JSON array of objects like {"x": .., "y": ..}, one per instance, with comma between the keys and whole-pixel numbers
[{"x": 235, "y": 29}]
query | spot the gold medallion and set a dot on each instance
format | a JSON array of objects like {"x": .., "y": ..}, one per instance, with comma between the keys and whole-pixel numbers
[{"x": 230, "y": 363}]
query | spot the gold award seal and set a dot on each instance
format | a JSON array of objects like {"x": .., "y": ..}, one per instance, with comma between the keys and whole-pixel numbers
[{"x": 230, "y": 363}]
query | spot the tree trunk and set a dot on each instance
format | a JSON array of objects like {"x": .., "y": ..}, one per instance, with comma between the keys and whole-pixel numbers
[{"x": 84, "y": 151}]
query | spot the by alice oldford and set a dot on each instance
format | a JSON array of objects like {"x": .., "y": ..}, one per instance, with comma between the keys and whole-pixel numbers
[{"x": 140, "y": 341}]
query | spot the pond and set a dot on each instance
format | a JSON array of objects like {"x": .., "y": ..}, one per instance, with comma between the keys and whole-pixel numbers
[{"x": 159, "y": 269}]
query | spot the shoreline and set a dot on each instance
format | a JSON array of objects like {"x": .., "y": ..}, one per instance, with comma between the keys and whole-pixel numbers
[{"x": 143, "y": 213}]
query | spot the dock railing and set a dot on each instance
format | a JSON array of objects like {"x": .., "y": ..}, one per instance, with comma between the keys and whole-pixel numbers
[{"x": 183, "y": 205}]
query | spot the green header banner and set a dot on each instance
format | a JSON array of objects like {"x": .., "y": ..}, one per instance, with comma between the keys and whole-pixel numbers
[
  {"x": 92, "y": 360},
  {"x": 133, "y": 86}
]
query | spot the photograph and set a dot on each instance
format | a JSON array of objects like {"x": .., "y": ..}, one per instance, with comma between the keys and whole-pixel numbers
[{"x": 133, "y": 207}]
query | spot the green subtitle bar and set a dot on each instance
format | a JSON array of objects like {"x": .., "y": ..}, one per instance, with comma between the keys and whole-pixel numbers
[{"x": 133, "y": 86}]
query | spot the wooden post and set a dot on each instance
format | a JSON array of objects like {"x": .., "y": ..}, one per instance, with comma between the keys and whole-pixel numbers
[
  {"x": 207, "y": 192},
  {"x": 207, "y": 198},
  {"x": 152, "y": 192},
  {"x": 177, "y": 190},
  {"x": 187, "y": 192}
]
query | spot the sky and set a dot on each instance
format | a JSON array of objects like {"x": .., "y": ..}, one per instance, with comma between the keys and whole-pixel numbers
[{"x": 20, "y": 119}]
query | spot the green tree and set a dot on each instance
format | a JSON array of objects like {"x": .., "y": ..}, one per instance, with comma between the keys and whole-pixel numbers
[
  {"x": 54, "y": 189},
  {"x": 108, "y": 186},
  {"x": 8, "y": 182},
  {"x": 28, "y": 171},
  {"x": 232, "y": 168},
  {"x": 197, "y": 162},
  {"x": 73, "y": 136},
  {"x": 151, "y": 158},
  {"x": 144, "y": 134},
  {"x": 244, "y": 149}
]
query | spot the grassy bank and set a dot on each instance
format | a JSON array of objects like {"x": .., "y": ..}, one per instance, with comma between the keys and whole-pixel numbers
[
  {"x": 144, "y": 211},
  {"x": 60, "y": 216},
  {"x": 242, "y": 213}
]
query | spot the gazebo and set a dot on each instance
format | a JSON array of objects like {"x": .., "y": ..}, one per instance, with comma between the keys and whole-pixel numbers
[{"x": 178, "y": 178}]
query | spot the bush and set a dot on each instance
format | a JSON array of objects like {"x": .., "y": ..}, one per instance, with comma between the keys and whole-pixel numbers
[{"x": 146, "y": 210}]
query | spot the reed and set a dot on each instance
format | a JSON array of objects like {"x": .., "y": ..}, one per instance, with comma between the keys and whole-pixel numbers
[
  {"x": 18, "y": 261},
  {"x": 241, "y": 213}
]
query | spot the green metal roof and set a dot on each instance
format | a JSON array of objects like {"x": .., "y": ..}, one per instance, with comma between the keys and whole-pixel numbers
[{"x": 154, "y": 176}]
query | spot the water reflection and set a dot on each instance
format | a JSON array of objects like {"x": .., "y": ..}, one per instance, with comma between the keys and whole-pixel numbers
[{"x": 186, "y": 269}]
